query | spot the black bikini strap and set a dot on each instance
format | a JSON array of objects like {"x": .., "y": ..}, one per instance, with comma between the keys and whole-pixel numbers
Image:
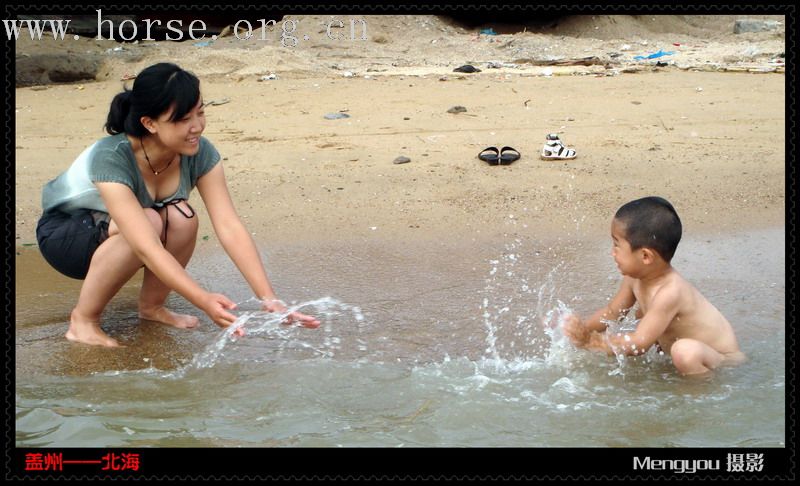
[{"x": 174, "y": 202}]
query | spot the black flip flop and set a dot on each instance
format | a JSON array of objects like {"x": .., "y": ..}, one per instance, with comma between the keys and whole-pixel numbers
[
  {"x": 509, "y": 155},
  {"x": 466, "y": 68},
  {"x": 490, "y": 155}
]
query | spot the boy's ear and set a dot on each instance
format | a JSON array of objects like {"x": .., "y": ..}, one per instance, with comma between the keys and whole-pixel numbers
[{"x": 648, "y": 256}]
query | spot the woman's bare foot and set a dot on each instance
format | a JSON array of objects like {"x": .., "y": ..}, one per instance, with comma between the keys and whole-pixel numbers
[
  {"x": 165, "y": 316},
  {"x": 88, "y": 332}
]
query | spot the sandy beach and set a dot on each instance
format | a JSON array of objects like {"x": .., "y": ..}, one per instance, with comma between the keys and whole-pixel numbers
[{"x": 711, "y": 142}]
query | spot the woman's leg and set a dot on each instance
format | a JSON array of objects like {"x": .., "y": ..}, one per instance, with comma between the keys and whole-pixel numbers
[
  {"x": 181, "y": 236},
  {"x": 113, "y": 264}
]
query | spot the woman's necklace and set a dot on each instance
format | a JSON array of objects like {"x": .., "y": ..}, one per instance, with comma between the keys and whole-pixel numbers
[{"x": 155, "y": 172}]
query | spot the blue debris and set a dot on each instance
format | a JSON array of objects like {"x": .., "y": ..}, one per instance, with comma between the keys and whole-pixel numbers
[
  {"x": 488, "y": 31},
  {"x": 654, "y": 55}
]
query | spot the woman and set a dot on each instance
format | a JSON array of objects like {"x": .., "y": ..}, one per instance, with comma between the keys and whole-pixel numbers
[{"x": 123, "y": 205}]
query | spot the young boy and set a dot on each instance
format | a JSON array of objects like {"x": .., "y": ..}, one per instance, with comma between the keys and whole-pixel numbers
[{"x": 674, "y": 315}]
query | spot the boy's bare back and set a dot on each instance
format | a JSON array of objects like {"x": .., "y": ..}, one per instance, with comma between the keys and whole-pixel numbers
[{"x": 694, "y": 318}]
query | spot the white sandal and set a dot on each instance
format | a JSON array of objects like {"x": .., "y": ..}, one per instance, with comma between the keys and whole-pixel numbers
[{"x": 555, "y": 150}]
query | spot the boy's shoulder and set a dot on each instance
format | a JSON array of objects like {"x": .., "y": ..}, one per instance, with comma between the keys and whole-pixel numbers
[
  {"x": 675, "y": 280},
  {"x": 669, "y": 289}
]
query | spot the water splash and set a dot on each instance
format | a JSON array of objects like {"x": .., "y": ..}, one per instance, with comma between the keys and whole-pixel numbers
[
  {"x": 560, "y": 352},
  {"x": 272, "y": 325},
  {"x": 515, "y": 309},
  {"x": 626, "y": 323},
  {"x": 261, "y": 323},
  {"x": 523, "y": 319}
]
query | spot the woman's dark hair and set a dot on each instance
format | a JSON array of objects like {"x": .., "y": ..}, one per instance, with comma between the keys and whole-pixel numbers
[
  {"x": 651, "y": 222},
  {"x": 156, "y": 89}
]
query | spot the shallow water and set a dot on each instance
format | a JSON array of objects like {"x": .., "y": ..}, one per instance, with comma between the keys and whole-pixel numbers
[{"x": 423, "y": 343}]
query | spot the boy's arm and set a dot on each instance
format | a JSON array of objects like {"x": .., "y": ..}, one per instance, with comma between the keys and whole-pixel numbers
[
  {"x": 663, "y": 308},
  {"x": 611, "y": 312}
]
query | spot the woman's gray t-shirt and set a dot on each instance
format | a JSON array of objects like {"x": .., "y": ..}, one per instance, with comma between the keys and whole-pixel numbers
[{"x": 111, "y": 159}]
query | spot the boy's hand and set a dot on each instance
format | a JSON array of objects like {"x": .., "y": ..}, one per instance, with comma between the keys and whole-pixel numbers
[
  {"x": 575, "y": 330},
  {"x": 304, "y": 320}
]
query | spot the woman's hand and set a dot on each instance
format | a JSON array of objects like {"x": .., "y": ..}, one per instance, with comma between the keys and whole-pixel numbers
[
  {"x": 216, "y": 306},
  {"x": 275, "y": 305}
]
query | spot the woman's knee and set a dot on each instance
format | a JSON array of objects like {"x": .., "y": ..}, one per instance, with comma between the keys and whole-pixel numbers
[
  {"x": 152, "y": 216},
  {"x": 155, "y": 220},
  {"x": 182, "y": 223}
]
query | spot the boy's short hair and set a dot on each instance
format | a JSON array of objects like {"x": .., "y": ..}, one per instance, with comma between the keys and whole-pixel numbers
[{"x": 651, "y": 222}]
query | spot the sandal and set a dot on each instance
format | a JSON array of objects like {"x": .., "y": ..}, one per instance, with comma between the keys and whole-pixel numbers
[
  {"x": 490, "y": 155},
  {"x": 554, "y": 149},
  {"x": 508, "y": 155}
]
